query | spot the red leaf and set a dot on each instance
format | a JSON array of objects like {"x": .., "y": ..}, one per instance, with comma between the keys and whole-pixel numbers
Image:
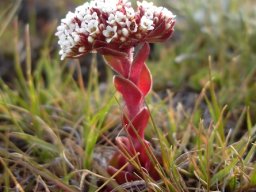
[
  {"x": 131, "y": 94},
  {"x": 117, "y": 160},
  {"x": 152, "y": 170},
  {"x": 139, "y": 123},
  {"x": 138, "y": 62},
  {"x": 120, "y": 65},
  {"x": 105, "y": 49},
  {"x": 145, "y": 80},
  {"x": 123, "y": 144},
  {"x": 112, "y": 52}
]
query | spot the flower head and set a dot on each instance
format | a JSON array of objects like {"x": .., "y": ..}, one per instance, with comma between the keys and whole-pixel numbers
[
  {"x": 102, "y": 25},
  {"x": 110, "y": 33}
]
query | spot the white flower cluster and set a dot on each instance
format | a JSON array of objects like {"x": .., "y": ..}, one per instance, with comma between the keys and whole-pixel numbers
[
  {"x": 152, "y": 14},
  {"x": 110, "y": 21}
]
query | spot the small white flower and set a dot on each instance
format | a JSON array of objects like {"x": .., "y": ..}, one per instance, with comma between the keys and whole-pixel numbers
[
  {"x": 132, "y": 26},
  {"x": 120, "y": 18},
  {"x": 130, "y": 12},
  {"x": 61, "y": 27},
  {"x": 95, "y": 16},
  {"x": 76, "y": 38},
  {"x": 146, "y": 24},
  {"x": 71, "y": 40},
  {"x": 69, "y": 18},
  {"x": 105, "y": 6},
  {"x": 111, "y": 19},
  {"x": 92, "y": 27},
  {"x": 62, "y": 56},
  {"x": 145, "y": 4},
  {"x": 110, "y": 33},
  {"x": 109, "y": 7},
  {"x": 61, "y": 52},
  {"x": 148, "y": 8},
  {"x": 86, "y": 5},
  {"x": 66, "y": 43},
  {"x": 83, "y": 28},
  {"x": 59, "y": 33},
  {"x": 90, "y": 17},
  {"x": 81, "y": 12},
  {"x": 62, "y": 37},
  {"x": 81, "y": 49},
  {"x": 96, "y": 4},
  {"x": 72, "y": 27},
  {"x": 168, "y": 14},
  {"x": 82, "y": 9},
  {"x": 149, "y": 14},
  {"x": 84, "y": 24},
  {"x": 90, "y": 39},
  {"x": 125, "y": 32}
]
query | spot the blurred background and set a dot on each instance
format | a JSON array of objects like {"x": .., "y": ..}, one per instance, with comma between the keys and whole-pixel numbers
[
  {"x": 223, "y": 30},
  {"x": 204, "y": 80}
]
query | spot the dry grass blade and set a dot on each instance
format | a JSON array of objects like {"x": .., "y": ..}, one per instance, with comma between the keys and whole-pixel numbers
[
  {"x": 41, "y": 181},
  {"x": 114, "y": 175},
  {"x": 18, "y": 186},
  {"x": 38, "y": 170},
  {"x": 6, "y": 21}
]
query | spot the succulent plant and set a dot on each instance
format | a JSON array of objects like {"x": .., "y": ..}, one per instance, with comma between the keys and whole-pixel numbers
[{"x": 113, "y": 28}]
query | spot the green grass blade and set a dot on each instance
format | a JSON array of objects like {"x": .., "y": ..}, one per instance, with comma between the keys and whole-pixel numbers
[
  {"x": 33, "y": 140},
  {"x": 220, "y": 175}
]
